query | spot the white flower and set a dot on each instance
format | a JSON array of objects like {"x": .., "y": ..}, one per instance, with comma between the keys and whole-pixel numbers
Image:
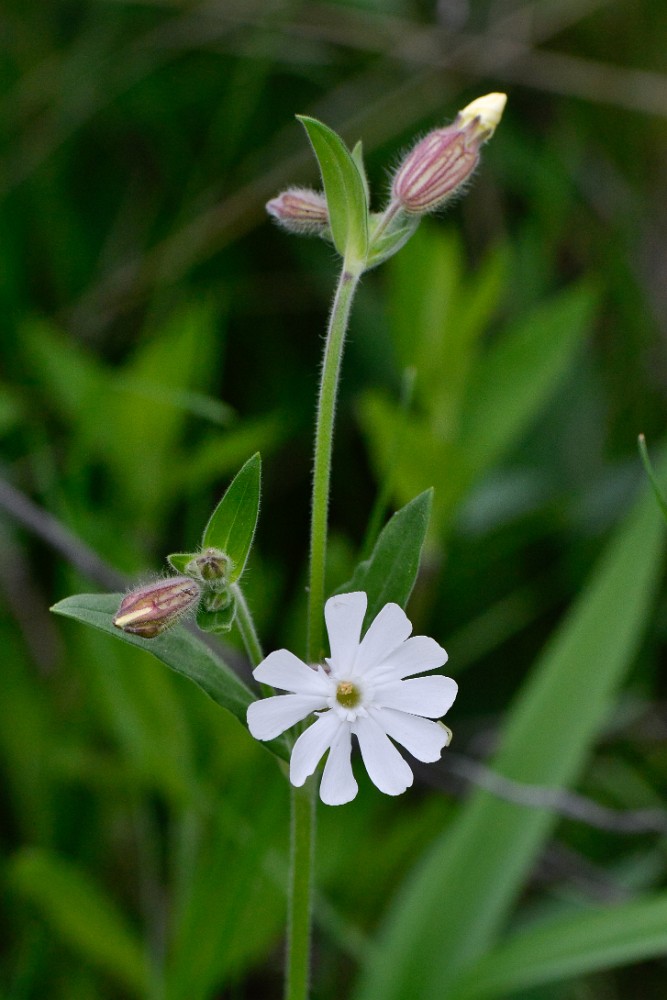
[{"x": 363, "y": 691}]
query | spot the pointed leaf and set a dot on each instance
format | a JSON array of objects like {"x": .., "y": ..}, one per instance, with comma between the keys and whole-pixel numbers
[
  {"x": 344, "y": 188},
  {"x": 390, "y": 571},
  {"x": 520, "y": 372},
  {"x": 232, "y": 524},
  {"x": 392, "y": 240},
  {"x": 655, "y": 486},
  {"x": 568, "y": 946},
  {"x": 178, "y": 649},
  {"x": 358, "y": 157},
  {"x": 179, "y": 561}
]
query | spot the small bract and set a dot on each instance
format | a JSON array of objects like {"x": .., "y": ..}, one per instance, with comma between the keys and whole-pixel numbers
[{"x": 362, "y": 690}]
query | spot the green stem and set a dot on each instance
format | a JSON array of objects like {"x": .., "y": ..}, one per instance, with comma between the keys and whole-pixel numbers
[
  {"x": 301, "y": 891},
  {"x": 303, "y": 799},
  {"x": 246, "y": 626},
  {"x": 326, "y": 410}
]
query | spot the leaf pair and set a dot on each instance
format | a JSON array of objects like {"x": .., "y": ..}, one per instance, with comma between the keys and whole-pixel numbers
[
  {"x": 363, "y": 239},
  {"x": 225, "y": 548}
]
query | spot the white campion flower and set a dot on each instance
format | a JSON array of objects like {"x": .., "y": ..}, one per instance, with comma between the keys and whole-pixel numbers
[{"x": 362, "y": 690}]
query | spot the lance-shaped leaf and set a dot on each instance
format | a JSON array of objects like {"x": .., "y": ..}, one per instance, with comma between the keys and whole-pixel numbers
[
  {"x": 357, "y": 155},
  {"x": 178, "y": 649},
  {"x": 574, "y": 944},
  {"x": 345, "y": 190},
  {"x": 232, "y": 524},
  {"x": 181, "y": 560},
  {"x": 390, "y": 572}
]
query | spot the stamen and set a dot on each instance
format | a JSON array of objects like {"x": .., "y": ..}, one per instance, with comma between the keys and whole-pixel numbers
[{"x": 347, "y": 694}]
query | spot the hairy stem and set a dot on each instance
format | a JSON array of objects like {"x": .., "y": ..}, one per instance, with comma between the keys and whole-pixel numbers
[
  {"x": 324, "y": 431},
  {"x": 300, "y": 891}
]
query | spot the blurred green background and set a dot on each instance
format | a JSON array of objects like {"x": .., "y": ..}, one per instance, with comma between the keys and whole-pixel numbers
[{"x": 156, "y": 330}]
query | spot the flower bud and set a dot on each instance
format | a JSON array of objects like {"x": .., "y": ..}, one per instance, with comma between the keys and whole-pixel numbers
[
  {"x": 300, "y": 210},
  {"x": 438, "y": 165},
  {"x": 210, "y": 565},
  {"x": 150, "y": 610}
]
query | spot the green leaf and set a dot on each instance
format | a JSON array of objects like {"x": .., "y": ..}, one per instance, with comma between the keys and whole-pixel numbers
[
  {"x": 180, "y": 560},
  {"x": 216, "y": 620},
  {"x": 358, "y": 157},
  {"x": 178, "y": 649},
  {"x": 512, "y": 382},
  {"x": 655, "y": 486},
  {"x": 453, "y": 906},
  {"x": 344, "y": 188},
  {"x": 390, "y": 571},
  {"x": 392, "y": 239},
  {"x": 232, "y": 524},
  {"x": 81, "y": 914},
  {"x": 569, "y": 946}
]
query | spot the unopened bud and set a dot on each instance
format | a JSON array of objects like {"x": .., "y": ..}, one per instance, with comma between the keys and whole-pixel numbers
[
  {"x": 150, "y": 610},
  {"x": 301, "y": 211},
  {"x": 210, "y": 565},
  {"x": 439, "y": 164}
]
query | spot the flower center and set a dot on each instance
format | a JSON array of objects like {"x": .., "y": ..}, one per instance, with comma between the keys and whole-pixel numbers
[{"x": 348, "y": 695}]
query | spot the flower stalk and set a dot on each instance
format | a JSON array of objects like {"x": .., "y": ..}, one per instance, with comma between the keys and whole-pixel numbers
[{"x": 324, "y": 431}]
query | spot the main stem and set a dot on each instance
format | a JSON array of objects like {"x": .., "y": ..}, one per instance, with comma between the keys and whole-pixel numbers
[
  {"x": 324, "y": 430},
  {"x": 246, "y": 627},
  {"x": 300, "y": 902},
  {"x": 303, "y": 799}
]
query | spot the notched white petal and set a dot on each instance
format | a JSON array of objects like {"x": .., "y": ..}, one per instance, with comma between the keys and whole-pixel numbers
[
  {"x": 270, "y": 717},
  {"x": 414, "y": 656},
  {"x": 344, "y": 615},
  {"x": 338, "y": 782},
  {"x": 312, "y": 745},
  {"x": 389, "y": 629},
  {"x": 386, "y": 768},
  {"x": 282, "y": 669},
  {"x": 427, "y": 696},
  {"x": 423, "y": 738}
]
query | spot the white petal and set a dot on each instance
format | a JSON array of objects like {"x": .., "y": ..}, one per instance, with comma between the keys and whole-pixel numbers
[
  {"x": 338, "y": 784},
  {"x": 424, "y": 739},
  {"x": 282, "y": 669},
  {"x": 414, "y": 656},
  {"x": 428, "y": 696},
  {"x": 386, "y": 768},
  {"x": 312, "y": 745},
  {"x": 270, "y": 717},
  {"x": 387, "y": 631},
  {"x": 344, "y": 615}
]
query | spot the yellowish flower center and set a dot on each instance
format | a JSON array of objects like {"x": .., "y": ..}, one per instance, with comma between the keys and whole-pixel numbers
[{"x": 348, "y": 695}]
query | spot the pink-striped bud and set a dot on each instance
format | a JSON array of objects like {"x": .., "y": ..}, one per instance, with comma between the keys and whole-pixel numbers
[
  {"x": 150, "y": 610},
  {"x": 300, "y": 210},
  {"x": 438, "y": 165}
]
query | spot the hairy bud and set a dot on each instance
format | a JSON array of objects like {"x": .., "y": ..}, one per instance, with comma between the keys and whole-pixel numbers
[
  {"x": 300, "y": 210},
  {"x": 210, "y": 565},
  {"x": 444, "y": 160},
  {"x": 155, "y": 607}
]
